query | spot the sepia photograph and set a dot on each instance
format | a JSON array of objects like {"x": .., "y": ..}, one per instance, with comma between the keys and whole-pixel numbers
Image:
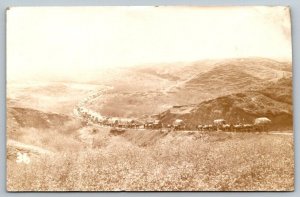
[{"x": 149, "y": 98}]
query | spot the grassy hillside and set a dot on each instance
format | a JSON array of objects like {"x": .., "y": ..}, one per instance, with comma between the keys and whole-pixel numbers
[
  {"x": 152, "y": 89},
  {"x": 37, "y": 128},
  {"x": 281, "y": 91},
  {"x": 273, "y": 101},
  {"x": 232, "y": 76},
  {"x": 26, "y": 117},
  {"x": 68, "y": 156},
  {"x": 146, "y": 160}
]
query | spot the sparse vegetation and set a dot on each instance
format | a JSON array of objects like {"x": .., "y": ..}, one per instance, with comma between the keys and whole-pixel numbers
[{"x": 188, "y": 161}]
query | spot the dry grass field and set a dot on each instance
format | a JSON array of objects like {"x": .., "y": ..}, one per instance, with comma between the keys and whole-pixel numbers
[{"x": 148, "y": 160}]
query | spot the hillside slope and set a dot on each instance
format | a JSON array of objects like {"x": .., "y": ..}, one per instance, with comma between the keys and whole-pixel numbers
[
  {"x": 232, "y": 76},
  {"x": 18, "y": 118},
  {"x": 152, "y": 89},
  {"x": 273, "y": 101},
  {"x": 26, "y": 117}
]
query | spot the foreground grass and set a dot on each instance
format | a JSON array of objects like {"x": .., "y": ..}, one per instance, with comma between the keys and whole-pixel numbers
[{"x": 187, "y": 161}]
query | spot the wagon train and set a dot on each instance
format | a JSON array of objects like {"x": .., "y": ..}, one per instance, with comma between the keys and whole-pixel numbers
[{"x": 259, "y": 124}]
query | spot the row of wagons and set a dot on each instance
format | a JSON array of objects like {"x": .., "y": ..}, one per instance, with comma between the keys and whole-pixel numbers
[{"x": 259, "y": 124}]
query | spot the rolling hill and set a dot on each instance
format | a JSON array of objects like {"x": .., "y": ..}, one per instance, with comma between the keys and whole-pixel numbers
[
  {"x": 232, "y": 76},
  {"x": 26, "y": 117},
  {"x": 152, "y": 89},
  {"x": 19, "y": 118},
  {"x": 273, "y": 101}
]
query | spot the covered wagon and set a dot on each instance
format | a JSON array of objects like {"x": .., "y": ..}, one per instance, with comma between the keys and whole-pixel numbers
[
  {"x": 178, "y": 124},
  {"x": 218, "y": 123},
  {"x": 262, "y": 123}
]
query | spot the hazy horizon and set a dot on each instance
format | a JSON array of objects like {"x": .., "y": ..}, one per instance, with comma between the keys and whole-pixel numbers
[
  {"x": 63, "y": 42},
  {"x": 89, "y": 76}
]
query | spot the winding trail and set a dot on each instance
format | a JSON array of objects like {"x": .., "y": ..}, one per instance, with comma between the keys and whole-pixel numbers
[
  {"x": 98, "y": 93},
  {"x": 82, "y": 104}
]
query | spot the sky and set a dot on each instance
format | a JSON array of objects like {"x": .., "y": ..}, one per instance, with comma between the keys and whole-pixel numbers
[{"x": 60, "y": 41}]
